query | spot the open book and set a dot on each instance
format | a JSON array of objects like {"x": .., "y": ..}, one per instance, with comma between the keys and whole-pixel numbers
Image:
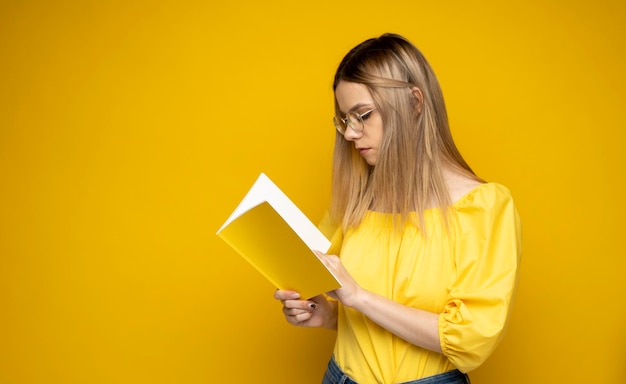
[{"x": 275, "y": 237}]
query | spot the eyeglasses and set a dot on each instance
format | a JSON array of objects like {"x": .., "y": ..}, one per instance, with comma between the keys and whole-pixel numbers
[{"x": 353, "y": 120}]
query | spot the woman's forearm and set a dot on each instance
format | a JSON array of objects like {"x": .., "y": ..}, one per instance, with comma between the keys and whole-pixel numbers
[{"x": 414, "y": 325}]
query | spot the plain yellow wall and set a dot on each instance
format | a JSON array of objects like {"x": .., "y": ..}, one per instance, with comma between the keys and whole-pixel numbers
[{"x": 129, "y": 130}]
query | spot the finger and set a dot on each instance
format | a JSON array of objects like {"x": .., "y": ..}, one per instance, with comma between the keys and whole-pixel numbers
[
  {"x": 299, "y": 318},
  {"x": 333, "y": 259},
  {"x": 304, "y": 305},
  {"x": 328, "y": 260},
  {"x": 295, "y": 311},
  {"x": 323, "y": 257},
  {"x": 286, "y": 295}
]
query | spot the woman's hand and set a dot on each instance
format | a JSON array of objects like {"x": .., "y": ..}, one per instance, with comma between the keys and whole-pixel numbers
[
  {"x": 315, "y": 312},
  {"x": 414, "y": 325},
  {"x": 350, "y": 291},
  {"x": 319, "y": 311}
]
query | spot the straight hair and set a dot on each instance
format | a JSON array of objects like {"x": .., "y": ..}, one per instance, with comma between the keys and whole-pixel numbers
[{"x": 416, "y": 142}]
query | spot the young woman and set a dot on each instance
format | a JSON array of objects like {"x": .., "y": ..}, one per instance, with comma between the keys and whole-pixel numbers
[{"x": 427, "y": 253}]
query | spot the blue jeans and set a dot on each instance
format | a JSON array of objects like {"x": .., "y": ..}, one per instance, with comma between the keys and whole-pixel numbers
[{"x": 334, "y": 375}]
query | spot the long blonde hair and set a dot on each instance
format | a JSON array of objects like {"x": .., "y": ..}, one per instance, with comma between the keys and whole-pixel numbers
[{"x": 416, "y": 140}]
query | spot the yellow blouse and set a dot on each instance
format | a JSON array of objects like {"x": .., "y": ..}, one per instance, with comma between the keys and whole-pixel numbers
[{"x": 467, "y": 274}]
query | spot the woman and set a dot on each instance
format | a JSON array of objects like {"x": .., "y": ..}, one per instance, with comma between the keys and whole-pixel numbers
[{"x": 428, "y": 253}]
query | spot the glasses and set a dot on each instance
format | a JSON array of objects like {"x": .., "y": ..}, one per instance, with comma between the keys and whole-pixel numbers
[{"x": 353, "y": 120}]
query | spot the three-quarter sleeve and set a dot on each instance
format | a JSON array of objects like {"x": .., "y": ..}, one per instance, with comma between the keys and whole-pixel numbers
[{"x": 487, "y": 257}]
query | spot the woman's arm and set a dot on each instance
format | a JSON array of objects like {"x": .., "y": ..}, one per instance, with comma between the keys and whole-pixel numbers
[{"x": 414, "y": 325}]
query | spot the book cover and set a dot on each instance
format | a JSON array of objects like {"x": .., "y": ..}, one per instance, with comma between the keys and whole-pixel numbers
[{"x": 276, "y": 238}]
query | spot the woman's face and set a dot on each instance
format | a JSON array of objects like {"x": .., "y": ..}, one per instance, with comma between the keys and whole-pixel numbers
[{"x": 355, "y": 97}]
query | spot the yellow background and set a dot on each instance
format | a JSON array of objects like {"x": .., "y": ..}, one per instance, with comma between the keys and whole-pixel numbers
[{"x": 129, "y": 130}]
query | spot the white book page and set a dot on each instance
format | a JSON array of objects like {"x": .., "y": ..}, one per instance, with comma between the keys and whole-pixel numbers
[
  {"x": 265, "y": 190},
  {"x": 257, "y": 194},
  {"x": 304, "y": 228}
]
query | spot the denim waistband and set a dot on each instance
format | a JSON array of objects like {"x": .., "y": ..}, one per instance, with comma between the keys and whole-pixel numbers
[{"x": 334, "y": 375}]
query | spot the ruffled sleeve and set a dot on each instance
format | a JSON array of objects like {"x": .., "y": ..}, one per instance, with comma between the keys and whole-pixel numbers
[
  {"x": 487, "y": 258},
  {"x": 332, "y": 232}
]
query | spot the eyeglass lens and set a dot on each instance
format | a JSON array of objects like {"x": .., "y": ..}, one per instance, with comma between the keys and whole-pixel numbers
[{"x": 352, "y": 119}]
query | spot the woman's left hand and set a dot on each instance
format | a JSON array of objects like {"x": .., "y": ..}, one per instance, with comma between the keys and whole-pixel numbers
[{"x": 349, "y": 292}]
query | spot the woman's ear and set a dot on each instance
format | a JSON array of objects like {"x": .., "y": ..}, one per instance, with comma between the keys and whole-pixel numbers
[{"x": 419, "y": 99}]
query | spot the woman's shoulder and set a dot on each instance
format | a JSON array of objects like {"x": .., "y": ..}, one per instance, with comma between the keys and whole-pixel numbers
[
  {"x": 460, "y": 185},
  {"x": 464, "y": 188},
  {"x": 483, "y": 194}
]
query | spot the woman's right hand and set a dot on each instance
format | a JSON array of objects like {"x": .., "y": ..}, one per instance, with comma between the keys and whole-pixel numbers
[{"x": 315, "y": 312}]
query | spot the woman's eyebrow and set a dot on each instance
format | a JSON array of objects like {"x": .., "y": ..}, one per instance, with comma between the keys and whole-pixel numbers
[{"x": 358, "y": 106}]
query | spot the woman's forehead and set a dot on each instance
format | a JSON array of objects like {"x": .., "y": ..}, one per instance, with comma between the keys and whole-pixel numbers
[{"x": 352, "y": 96}]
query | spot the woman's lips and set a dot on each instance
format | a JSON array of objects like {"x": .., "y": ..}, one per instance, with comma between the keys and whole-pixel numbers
[{"x": 363, "y": 151}]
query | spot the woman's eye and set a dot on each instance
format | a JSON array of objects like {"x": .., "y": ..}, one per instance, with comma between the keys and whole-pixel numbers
[{"x": 366, "y": 115}]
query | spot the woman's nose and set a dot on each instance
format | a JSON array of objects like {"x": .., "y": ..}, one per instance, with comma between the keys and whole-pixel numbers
[{"x": 351, "y": 134}]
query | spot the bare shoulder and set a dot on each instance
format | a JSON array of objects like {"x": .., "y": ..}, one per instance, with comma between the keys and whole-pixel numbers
[{"x": 459, "y": 184}]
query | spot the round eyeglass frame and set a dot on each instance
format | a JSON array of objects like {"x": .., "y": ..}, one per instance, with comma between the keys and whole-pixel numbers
[{"x": 353, "y": 120}]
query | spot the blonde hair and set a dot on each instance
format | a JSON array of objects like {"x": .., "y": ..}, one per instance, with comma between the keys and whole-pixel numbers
[{"x": 416, "y": 139}]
